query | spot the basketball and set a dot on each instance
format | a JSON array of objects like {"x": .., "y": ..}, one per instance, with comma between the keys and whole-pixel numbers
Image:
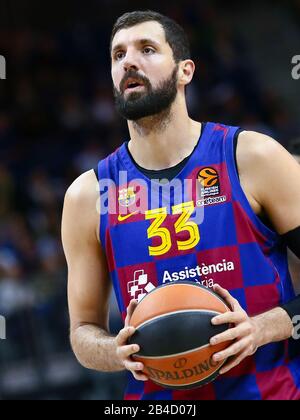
[{"x": 173, "y": 329}]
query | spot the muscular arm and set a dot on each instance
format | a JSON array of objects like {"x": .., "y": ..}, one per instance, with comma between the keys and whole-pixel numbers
[
  {"x": 275, "y": 185},
  {"x": 88, "y": 283},
  {"x": 294, "y": 261},
  {"x": 270, "y": 177},
  {"x": 89, "y": 286}
]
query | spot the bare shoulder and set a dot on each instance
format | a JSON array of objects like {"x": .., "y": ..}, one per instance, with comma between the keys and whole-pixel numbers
[
  {"x": 262, "y": 150},
  {"x": 297, "y": 157},
  {"x": 270, "y": 176},
  {"x": 81, "y": 200},
  {"x": 260, "y": 155},
  {"x": 83, "y": 188},
  {"x": 260, "y": 160},
  {"x": 254, "y": 147}
]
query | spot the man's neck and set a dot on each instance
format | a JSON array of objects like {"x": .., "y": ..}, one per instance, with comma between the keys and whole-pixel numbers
[{"x": 164, "y": 141}]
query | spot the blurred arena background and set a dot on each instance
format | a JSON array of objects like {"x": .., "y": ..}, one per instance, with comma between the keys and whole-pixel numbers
[{"x": 57, "y": 119}]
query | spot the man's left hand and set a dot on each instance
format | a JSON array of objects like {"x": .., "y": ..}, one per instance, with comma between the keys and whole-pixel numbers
[{"x": 244, "y": 332}]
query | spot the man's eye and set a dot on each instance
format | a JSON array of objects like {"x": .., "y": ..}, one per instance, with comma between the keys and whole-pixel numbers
[
  {"x": 148, "y": 50},
  {"x": 119, "y": 55}
]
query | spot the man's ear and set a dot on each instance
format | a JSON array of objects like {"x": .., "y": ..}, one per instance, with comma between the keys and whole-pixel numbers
[{"x": 186, "y": 72}]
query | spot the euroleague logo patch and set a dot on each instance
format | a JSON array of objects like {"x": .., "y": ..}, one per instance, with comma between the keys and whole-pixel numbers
[{"x": 209, "y": 179}]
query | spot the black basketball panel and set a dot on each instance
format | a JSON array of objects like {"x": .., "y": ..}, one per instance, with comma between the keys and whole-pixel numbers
[{"x": 175, "y": 333}]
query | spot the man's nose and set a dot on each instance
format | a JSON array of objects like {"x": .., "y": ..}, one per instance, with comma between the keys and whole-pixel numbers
[{"x": 130, "y": 62}]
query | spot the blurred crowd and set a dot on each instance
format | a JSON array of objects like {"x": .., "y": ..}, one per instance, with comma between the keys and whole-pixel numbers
[{"x": 57, "y": 119}]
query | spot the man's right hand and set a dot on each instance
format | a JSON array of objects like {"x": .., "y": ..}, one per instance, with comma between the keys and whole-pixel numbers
[{"x": 125, "y": 351}]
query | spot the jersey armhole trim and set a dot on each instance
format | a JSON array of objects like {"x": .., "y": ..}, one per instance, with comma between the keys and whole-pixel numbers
[
  {"x": 96, "y": 173},
  {"x": 238, "y": 192}
]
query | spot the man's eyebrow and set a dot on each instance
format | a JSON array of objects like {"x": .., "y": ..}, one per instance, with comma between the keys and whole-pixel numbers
[
  {"x": 143, "y": 41},
  {"x": 148, "y": 41}
]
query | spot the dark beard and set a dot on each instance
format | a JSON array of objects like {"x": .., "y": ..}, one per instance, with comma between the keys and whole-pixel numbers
[{"x": 151, "y": 102}]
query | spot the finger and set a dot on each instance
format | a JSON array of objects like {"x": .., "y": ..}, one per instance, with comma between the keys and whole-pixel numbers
[
  {"x": 234, "y": 362},
  {"x": 127, "y": 351},
  {"x": 233, "y": 303},
  {"x": 231, "y": 334},
  {"x": 232, "y": 350},
  {"x": 132, "y": 305},
  {"x": 136, "y": 367},
  {"x": 130, "y": 309},
  {"x": 124, "y": 334},
  {"x": 140, "y": 376},
  {"x": 230, "y": 318}
]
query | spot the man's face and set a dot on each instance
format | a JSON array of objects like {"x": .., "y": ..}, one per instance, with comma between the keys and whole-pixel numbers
[{"x": 143, "y": 71}]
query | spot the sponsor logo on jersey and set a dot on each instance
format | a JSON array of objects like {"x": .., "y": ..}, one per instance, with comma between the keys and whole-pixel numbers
[
  {"x": 127, "y": 216},
  {"x": 140, "y": 285},
  {"x": 199, "y": 272},
  {"x": 211, "y": 200}
]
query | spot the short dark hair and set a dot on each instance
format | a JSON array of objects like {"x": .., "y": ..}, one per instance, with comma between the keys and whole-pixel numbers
[{"x": 175, "y": 34}]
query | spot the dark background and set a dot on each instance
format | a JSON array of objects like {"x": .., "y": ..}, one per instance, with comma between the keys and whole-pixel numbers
[{"x": 57, "y": 119}]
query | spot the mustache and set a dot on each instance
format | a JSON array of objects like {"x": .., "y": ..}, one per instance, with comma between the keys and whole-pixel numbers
[{"x": 131, "y": 74}]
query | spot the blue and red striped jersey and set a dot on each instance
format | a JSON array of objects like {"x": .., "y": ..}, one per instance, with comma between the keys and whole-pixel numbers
[{"x": 198, "y": 227}]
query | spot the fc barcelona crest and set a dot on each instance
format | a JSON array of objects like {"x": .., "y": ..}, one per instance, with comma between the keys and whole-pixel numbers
[{"x": 127, "y": 197}]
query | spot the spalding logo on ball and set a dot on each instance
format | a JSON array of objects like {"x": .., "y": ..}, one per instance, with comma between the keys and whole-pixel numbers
[{"x": 173, "y": 329}]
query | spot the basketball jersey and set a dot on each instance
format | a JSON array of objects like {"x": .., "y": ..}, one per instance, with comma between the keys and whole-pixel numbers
[{"x": 202, "y": 230}]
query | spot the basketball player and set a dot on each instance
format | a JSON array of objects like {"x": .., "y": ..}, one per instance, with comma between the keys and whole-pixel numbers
[{"x": 251, "y": 203}]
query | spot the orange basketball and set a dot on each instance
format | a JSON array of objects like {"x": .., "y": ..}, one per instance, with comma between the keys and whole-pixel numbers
[{"x": 173, "y": 329}]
